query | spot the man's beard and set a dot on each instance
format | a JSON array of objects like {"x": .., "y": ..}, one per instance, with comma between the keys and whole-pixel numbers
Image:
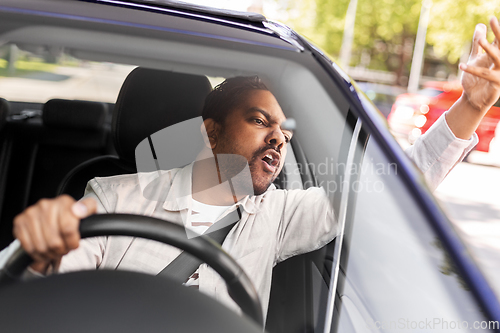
[{"x": 260, "y": 184}]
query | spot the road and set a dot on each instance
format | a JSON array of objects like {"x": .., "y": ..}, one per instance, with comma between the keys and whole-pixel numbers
[{"x": 471, "y": 197}]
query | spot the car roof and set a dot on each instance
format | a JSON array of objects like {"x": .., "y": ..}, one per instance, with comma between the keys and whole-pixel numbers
[
  {"x": 183, "y": 18},
  {"x": 247, "y": 17}
]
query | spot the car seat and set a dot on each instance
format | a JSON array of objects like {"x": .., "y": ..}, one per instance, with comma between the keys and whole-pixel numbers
[
  {"x": 37, "y": 151},
  {"x": 149, "y": 101},
  {"x": 72, "y": 132},
  {"x": 4, "y": 112}
]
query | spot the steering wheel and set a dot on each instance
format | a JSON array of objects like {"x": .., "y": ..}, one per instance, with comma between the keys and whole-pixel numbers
[{"x": 239, "y": 286}]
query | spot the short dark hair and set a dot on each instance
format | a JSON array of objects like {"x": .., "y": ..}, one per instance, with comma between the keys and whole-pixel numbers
[{"x": 228, "y": 95}]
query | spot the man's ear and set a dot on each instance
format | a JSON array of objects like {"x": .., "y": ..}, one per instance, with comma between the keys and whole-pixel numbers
[{"x": 210, "y": 130}]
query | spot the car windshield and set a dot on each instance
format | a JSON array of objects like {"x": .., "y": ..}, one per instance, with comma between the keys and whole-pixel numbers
[{"x": 135, "y": 97}]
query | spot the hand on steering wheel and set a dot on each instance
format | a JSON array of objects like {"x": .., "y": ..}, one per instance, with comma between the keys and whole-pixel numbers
[{"x": 239, "y": 286}]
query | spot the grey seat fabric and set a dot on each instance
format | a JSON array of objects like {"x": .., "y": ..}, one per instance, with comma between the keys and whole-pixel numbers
[
  {"x": 72, "y": 132},
  {"x": 75, "y": 124},
  {"x": 149, "y": 101},
  {"x": 74, "y": 114}
]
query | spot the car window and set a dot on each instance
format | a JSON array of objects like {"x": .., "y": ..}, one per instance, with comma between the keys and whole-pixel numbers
[
  {"x": 36, "y": 74},
  {"x": 395, "y": 273}
]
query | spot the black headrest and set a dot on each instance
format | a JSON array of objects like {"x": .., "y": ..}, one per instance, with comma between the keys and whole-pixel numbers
[
  {"x": 151, "y": 100},
  {"x": 4, "y": 111},
  {"x": 72, "y": 114}
]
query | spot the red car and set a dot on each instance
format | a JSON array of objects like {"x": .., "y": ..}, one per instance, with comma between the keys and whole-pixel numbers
[{"x": 413, "y": 114}]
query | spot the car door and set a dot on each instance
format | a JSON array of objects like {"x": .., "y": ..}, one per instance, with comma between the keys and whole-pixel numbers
[{"x": 395, "y": 272}]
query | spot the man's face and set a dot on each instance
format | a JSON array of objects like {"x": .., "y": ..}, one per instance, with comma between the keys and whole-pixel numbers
[{"x": 253, "y": 130}]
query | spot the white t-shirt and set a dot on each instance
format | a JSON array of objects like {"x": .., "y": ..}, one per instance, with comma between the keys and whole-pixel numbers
[{"x": 202, "y": 217}]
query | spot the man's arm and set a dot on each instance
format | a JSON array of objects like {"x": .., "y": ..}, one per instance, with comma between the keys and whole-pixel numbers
[
  {"x": 449, "y": 140},
  {"x": 437, "y": 151},
  {"x": 481, "y": 83}
]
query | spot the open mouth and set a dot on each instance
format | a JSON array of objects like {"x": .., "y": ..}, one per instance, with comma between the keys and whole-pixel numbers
[{"x": 271, "y": 159}]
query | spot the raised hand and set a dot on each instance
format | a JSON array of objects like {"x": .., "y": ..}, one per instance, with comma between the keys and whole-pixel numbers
[
  {"x": 481, "y": 78},
  {"x": 481, "y": 83}
]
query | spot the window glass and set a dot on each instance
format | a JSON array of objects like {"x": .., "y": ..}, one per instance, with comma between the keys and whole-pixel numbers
[
  {"x": 395, "y": 273},
  {"x": 37, "y": 74}
]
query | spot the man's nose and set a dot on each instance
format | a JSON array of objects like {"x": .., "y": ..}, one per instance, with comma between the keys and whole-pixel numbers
[{"x": 276, "y": 138}]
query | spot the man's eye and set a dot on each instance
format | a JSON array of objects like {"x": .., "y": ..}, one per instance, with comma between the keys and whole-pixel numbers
[
  {"x": 259, "y": 122},
  {"x": 287, "y": 139}
]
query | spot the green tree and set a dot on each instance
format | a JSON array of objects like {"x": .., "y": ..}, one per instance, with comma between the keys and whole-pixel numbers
[
  {"x": 385, "y": 30},
  {"x": 322, "y": 21},
  {"x": 383, "y": 35},
  {"x": 452, "y": 24}
]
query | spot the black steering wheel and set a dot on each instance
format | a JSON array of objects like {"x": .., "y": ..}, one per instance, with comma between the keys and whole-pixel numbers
[{"x": 239, "y": 286}]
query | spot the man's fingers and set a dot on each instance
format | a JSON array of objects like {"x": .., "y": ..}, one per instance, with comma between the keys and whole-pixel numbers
[
  {"x": 84, "y": 208},
  {"x": 49, "y": 229},
  {"x": 492, "y": 51},
  {"x": 69, "y": 218},
  {"x": 481, "y": 72},
  {"x": 33, "y": 226},
  {"x": 68, "y": 221},
  {"x": 495, "y": 27},
  {"x": 479, "y": 33},
  {"x": 22, "y": 234}
]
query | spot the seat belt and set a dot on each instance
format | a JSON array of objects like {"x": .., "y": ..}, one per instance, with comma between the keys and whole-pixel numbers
[{"x": 182, "y": 267}]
